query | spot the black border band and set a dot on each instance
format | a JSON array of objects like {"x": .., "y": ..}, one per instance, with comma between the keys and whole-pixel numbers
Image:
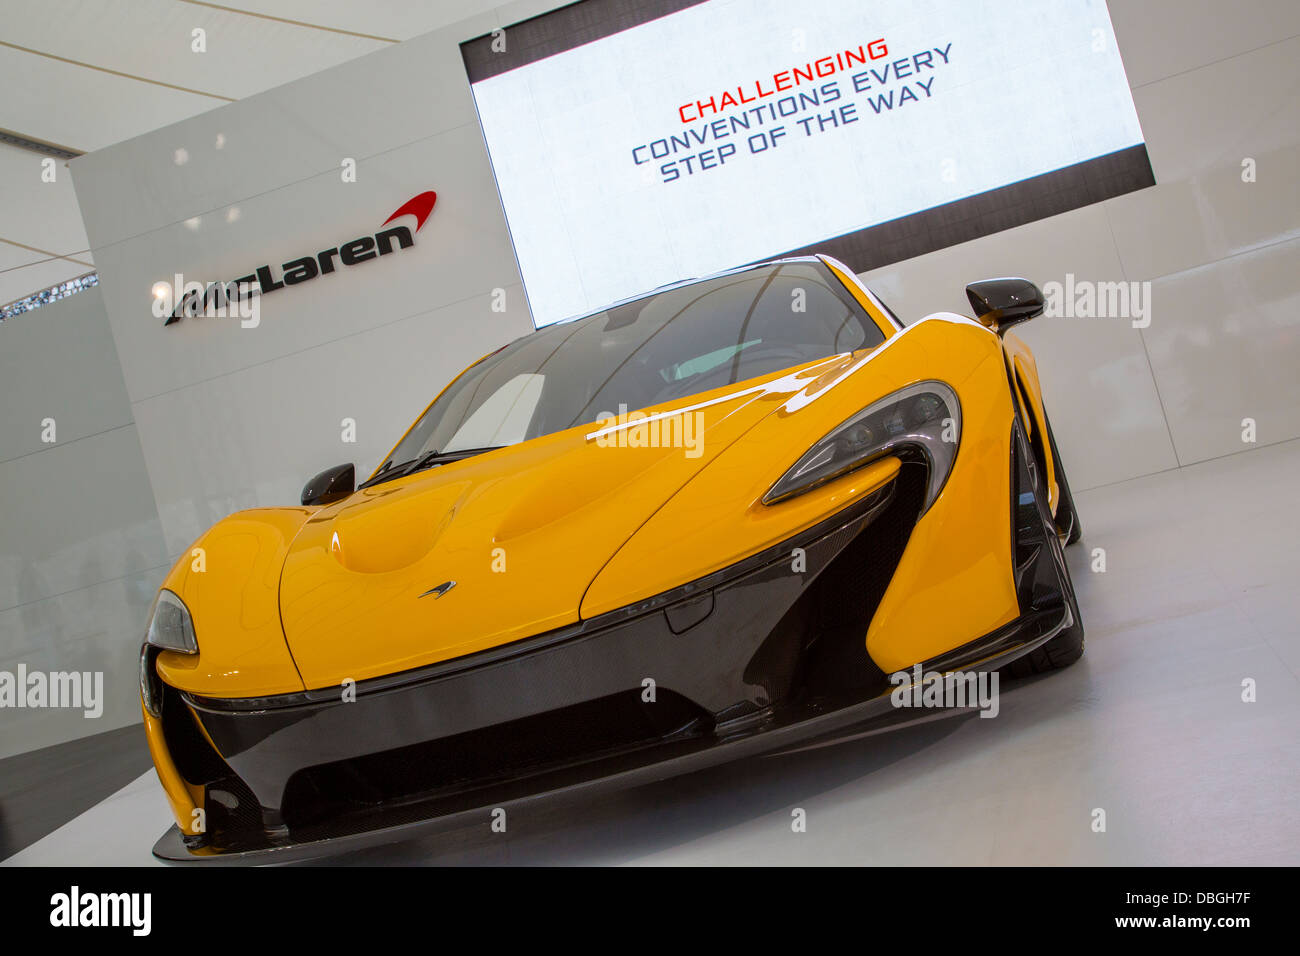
[
  {"x": 1006, "y": 207},
  {"x": 559, "y": 30}
]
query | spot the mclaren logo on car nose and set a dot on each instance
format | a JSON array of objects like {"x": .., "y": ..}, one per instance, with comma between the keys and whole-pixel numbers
[{"x": 440, "y": 590}]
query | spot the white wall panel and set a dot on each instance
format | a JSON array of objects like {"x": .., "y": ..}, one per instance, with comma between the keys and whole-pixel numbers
[
  {"x": 96, "y": 629},
  {"x": 1220, "y": 251},
  {"x": 42, "y": 354},
  {"x": 462, "y": 252},
  {"x": 77, "y": 514},
  {"x": 81, "y": 548},
  {"x": 1204, "y": 124},
  {"x": 1212, "y": 117},
  {"x": 1228, "y": 349},
  {"x": 1160, "y": 38}
]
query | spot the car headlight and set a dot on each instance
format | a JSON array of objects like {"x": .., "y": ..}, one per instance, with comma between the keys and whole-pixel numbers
[
  {"x": 170, "y": 626},
  {"x": 923, "y": 419}
]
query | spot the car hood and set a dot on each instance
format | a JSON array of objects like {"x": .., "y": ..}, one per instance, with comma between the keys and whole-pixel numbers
[{"x": 498, "y": 547}]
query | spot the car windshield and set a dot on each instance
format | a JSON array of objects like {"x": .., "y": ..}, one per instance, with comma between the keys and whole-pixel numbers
[{"x": 651, "y": 350}]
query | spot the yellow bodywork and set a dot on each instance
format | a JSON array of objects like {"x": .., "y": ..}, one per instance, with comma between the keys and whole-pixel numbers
[
  {"x": 230, "y": 580},
  {"x": 561, "y": 528},
  {"x": 544, "y": 533},
  {"x": 182, "y": 798}
]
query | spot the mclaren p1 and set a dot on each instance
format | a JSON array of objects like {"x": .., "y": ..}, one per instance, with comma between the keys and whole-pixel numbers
[{"x": 733, "y": 515}]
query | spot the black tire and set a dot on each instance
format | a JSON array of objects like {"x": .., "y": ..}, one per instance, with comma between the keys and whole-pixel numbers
[
  {"x": 1066, "y": 647},
  {"x": 1067, "y": 516}
]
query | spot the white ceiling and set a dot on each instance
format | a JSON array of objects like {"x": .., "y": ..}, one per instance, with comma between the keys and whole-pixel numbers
[{"x": 84, "y": 74}]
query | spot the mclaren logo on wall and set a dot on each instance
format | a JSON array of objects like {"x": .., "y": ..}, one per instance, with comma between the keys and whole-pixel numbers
[{"x": 199, "y": 299}]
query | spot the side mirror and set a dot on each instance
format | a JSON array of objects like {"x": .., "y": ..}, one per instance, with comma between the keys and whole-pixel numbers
[
  {"x": 1002, "y": 303},
  {"x": 330, "y": 485}
]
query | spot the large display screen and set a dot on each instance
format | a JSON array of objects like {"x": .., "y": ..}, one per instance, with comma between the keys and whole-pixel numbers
[{"x": 636, "y": 143}]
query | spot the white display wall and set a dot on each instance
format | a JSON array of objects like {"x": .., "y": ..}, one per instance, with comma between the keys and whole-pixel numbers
[{"x": 81, "y": 549}]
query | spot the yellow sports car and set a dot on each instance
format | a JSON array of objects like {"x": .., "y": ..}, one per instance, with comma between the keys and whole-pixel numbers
[{"x": 723, "y": 517}]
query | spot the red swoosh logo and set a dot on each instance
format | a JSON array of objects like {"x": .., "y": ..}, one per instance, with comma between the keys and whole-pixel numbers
[{"x": 419, "y": 207}]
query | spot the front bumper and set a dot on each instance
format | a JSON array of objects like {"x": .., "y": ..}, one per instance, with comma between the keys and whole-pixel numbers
[
  {"x": 761, "y": 656},
  {"x": 806, "y": 725}
]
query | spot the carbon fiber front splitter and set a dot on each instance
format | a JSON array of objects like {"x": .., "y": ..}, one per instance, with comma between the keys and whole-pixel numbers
[{"x": 816, "y": 722}]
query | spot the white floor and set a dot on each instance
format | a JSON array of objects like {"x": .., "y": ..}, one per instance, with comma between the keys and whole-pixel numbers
[{"x": 1199, "y": 594}]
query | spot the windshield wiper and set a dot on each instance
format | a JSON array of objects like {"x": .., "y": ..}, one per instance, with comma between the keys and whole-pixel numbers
[
  {"x": 387, "y": 470},
  {"x": 443, "y": 457},
  {"x": 391, "y": 471}
]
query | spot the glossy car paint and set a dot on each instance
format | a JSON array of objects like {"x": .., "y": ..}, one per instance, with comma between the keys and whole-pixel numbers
[
  {"x": 229, "y": 580},
  {"x": 559, "y": 529}
]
